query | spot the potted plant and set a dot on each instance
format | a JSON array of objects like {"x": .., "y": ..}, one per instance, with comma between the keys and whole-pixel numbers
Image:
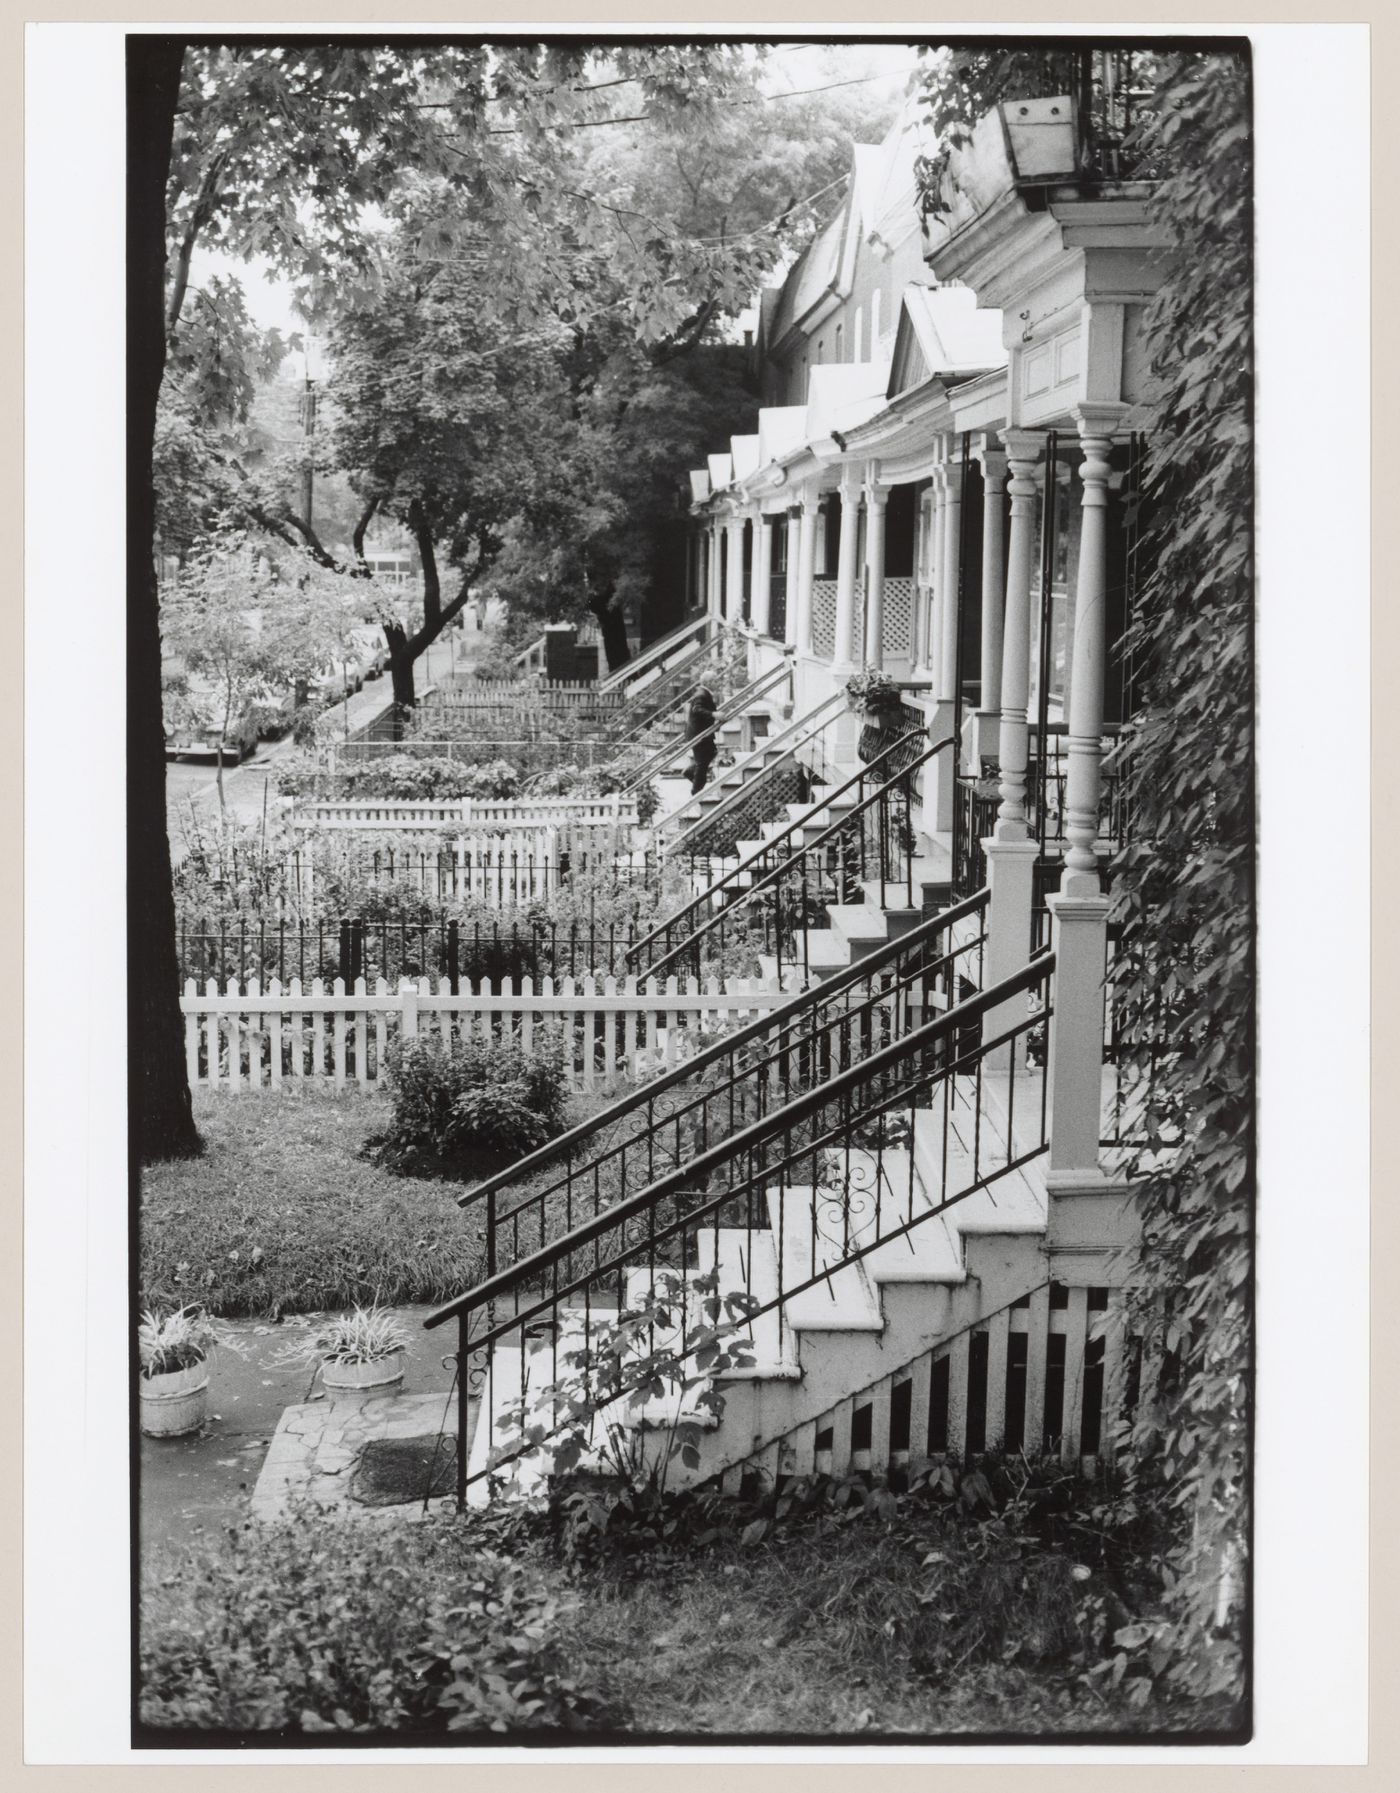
[
  {"x": 874, "y": 695},
  {"x": 357, "y": 1353},
  {"x": 175, "y": 1350}
]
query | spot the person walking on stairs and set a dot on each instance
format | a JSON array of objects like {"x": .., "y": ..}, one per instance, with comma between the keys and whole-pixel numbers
[{"x": 699, "y": 731}]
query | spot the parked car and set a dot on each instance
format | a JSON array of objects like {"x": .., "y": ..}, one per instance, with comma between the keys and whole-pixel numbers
[
  {"x": 193, "y": 713},
  {"x": 371, "y": 648},
  {"x": 339, "y": 679}
]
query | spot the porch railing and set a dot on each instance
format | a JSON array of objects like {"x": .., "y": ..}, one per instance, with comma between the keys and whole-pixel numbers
[
  {"x": 699, "y": 628},
  {"x": 775, "y": 896},
  {"x": 803, "y": 739},
  {"x": 734, "y": 1080},
  {"x": 672, "y": 754},
  {"x": 829, "y": 1176}
]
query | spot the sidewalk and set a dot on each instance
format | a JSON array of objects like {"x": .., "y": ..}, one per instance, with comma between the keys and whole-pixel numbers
[{"x": 192, "y": 1487}]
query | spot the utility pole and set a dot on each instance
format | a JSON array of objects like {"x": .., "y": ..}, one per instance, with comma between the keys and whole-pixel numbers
[{"x": 308, "y": 425}]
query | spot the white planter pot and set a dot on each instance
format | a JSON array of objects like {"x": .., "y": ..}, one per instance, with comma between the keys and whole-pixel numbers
[
  {"x": 382, "y": 1377},
  {"x": 175, "y": 1403}
]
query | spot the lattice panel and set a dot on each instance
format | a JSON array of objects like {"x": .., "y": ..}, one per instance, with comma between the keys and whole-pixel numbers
[
  {"x": 899, "y": 617},
  {"x": 764, "y": 800},
  {"x": 824, "y": 618}
]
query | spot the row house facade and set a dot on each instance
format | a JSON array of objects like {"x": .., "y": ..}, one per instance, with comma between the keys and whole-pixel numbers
[
  {"x": 910, "y": 1174},
  {"x": 958, "y": 507}
]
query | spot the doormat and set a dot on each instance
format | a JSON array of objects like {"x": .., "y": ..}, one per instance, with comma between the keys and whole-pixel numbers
[{"x": 394, "y": 1471}]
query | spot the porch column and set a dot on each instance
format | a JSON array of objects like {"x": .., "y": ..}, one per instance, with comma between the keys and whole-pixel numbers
[
  {"x": 1023, "y": 451},
  {"x": 988, "y": 724},
  {"x": 923, "y": 592},
  {"x": 1078, "y": 913},
  {"x": 734, "y": 571},
  {"x": 1085, "y": 734},
  {"x": 875, "y": 500},
  {"x": 794, "y": 531},
  {"x": 846, "y": 570},
  {"x": 934, "y": 645},
  {"x": 762, "y": 575},
  {"x": 942, "y": 785},
  {"x": 806, "y": 566}
]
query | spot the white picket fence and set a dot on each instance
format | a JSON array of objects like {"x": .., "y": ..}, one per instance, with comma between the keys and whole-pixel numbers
[
  {"x": 615, "y": 1031},
  {"x": 367, "y": 814},
  {"x": 505, "y": 869}
]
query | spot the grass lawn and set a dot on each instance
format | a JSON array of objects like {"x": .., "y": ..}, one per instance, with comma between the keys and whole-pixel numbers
[{"x": 282, "y": 1215}]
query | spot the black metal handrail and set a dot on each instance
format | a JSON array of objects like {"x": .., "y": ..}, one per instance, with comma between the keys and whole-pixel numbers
[
  {"x": 782, "y": 1016},
  {"x": 798, "y": 733},
  {"x": 846, "y": 1118},
  {"x": 731, "y": 707},
  {"x": 849, "y": 827},
  {"x": 651, "y": 656},
  {"x": 676, "y": 685},
  {"x": 813, "y": 1027}
]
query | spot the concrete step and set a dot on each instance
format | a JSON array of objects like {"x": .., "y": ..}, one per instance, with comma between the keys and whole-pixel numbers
[
  {"x": 810, "y": 1224},
  {"x": 930, "y": 1252},
  {"x": 859, "y": 925},
  {"x": 949, "y": 1151}
]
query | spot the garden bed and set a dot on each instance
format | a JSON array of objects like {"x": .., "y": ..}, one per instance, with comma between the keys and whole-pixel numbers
[{"x": 870, "y": 1615}]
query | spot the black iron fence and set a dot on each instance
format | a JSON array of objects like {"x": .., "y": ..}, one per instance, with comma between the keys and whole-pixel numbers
[{"x": 242, "y": 947}]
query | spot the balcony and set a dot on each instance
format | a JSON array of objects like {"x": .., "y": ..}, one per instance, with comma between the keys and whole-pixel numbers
[{"x": 1085, "y": 137}]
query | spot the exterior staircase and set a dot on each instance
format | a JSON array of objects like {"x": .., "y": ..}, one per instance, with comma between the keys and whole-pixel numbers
[{"x": 892, "y": 1283}]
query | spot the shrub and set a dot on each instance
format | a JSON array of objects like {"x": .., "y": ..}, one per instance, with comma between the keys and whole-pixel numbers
[
  {"x": 281, "y": 1629},
  {"x": 471, "y": 1107}
]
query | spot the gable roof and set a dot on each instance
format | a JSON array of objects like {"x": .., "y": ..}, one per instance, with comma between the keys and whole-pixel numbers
[
  {"x": 843, "y": 394},
  {"x": 942, "y": 331},
  {"x": 743, "y": 456}
]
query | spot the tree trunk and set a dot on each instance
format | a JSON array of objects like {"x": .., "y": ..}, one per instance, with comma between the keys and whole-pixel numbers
[
  {"x": 161, "y": 1120},
  {"x": 614, "y": 628},
  {"x": 401, "y": 659}
]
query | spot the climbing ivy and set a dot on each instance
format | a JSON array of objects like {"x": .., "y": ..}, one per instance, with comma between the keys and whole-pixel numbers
[{"x": 1184, "y": 890}]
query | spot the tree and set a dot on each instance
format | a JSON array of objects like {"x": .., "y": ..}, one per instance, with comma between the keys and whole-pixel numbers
[
  {"x": 589, "y": 539},
  {"x": 245, "y": 634},
  {"x": 443, "y": 422},
  {"x": 282, "y": 151}
]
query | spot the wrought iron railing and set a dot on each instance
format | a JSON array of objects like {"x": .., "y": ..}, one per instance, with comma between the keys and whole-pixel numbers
[
  {"x": 776, "y": 896},
  {"x": 879, "y": 1149},
  {"x": 1112, "y": 91},
  {"x": 672, "y": 753},
  {"x": 700, "y": 628},
  {"x": 975, "y": 805},
  {"x": 735, "y": 1079},
  {"x": 804, "y": 740},
  {"x": 718, "y": 662}
]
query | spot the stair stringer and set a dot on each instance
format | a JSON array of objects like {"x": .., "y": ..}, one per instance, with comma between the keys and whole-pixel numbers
[{"x": 761, "y": 1413}]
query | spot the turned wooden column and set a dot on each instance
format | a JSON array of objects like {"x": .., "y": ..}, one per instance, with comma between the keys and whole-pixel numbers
[
  {"x": 841, "y": 659},
  {"x": 734, "y": 570},
  {"x": 876, "y": 499},
  {"x": 1023, "y": 448},
  {"x": 762, "y": 575},
  {"x": 794, "y": 532},
  {"x": 988, "y": 725},
  {"x": 806, "y": 566},
  {"x": 1086, "y": 696}
]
